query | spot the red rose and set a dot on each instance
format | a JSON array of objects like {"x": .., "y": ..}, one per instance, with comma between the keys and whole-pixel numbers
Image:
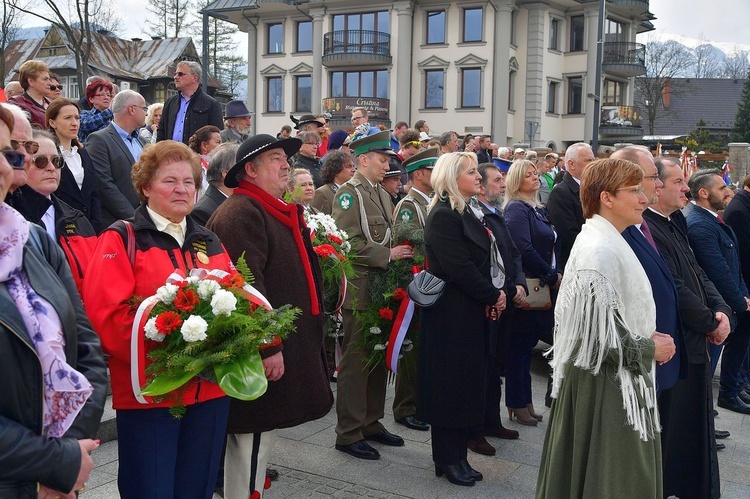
[
  {"x": 232, "y": 281},
  {"x": 166, "y": 322},
  {"x": 399, "y": 294},
  {"x": 335, "y": 239},
  {"x": 386, "y": 313},
  {"x": 186, "y": 300}
]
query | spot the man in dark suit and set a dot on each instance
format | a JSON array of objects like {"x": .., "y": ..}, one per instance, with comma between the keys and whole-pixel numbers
[
  {"x": 483, "y": 152},
  {"x": 564, "y": 205},
  {"x": 737, "y": 216},
  {"x": 190, "y": 109},
  {"x": 114, "y": 150},
  {"x": 688, "y": 444},
  {"x": 222, "y": 160},
  {"x": 715, "y": 247}
]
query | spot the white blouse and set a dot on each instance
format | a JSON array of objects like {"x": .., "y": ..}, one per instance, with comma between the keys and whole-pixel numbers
[{"x": 74, "y": 164}]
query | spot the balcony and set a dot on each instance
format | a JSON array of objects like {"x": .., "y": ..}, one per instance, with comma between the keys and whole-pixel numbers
[
  {"x": 624, "y": 58},
  {"x": 631, "y": 7},
  {"x": 620, "y": 121},
  {"x": 361, "y": 47}
]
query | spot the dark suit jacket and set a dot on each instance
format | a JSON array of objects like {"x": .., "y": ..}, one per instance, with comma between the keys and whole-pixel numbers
[
  {"x": 202, "y": 110},
  {"x": 113, "y": 162},
  {"x": 566, "y": 214},
  {"x": 512, "y": 262},
  {"x": 483, "y": 156},
  {"x": 535, "y": 239},
  {"x": 715, "y": 247},
  {"x": 207, "y": 205},
  {"x": 85, "y": 199},
  {"x": 698, "y": 298},
  {"x": 667, "y": 311},
  {"x": 737, "y": 216}
]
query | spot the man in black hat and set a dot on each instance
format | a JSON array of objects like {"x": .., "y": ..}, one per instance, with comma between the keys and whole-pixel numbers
[
  {"x": 363, "y": 209},
  {"x": 254, "y": 221},
  {"x": 239, "y": 122},
  {"x": 392, "y": 180},
  {"x": 307, "y": 123}
]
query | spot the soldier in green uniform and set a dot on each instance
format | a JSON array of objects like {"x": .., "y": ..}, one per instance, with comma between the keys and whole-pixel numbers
[
  {"x": 412, "y": 209},
  {"x": 363, "y": 209}
]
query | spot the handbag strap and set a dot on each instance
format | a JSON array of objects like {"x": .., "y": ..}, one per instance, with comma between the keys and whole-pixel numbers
[{"x": 130, "y": 242}]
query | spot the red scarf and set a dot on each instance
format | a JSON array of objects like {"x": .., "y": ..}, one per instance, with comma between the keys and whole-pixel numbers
[{"x": 290, "y": 215}]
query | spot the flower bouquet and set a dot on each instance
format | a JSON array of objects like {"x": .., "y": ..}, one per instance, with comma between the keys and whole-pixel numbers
[
  {"x": 210, "y": 325},
  {"x": 387, "y": 325}
]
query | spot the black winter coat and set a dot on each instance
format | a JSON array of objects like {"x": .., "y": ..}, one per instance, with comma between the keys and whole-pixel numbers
[{"x": 202, "y": 110}]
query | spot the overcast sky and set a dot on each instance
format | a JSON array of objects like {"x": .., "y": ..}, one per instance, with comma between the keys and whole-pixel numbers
[{"x": 718, "y": 20}]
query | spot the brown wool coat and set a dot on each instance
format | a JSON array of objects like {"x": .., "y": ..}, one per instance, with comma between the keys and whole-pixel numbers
[{"x": 303, "y": 393}]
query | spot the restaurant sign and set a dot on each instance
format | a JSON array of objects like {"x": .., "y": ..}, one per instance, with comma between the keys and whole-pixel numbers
[{"x": 342, "y": 106}]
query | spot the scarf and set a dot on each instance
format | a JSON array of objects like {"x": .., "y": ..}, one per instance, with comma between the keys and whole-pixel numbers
[
  {"x": 65, "y": 389},
  {"x": 291, "y": 215},
  {"x": 604, "y": 292}
]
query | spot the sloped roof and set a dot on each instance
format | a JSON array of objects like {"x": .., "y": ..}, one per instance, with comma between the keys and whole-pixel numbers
[
  {"x": 713, "y": 100},
  {"x": 18, "y": 52}
]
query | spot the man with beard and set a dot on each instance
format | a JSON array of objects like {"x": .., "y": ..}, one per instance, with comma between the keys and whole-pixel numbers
[
  {"x": 239, "y": 122},
  {"x": 688, "y": 446},
  {"x": 715, "y": 246}
]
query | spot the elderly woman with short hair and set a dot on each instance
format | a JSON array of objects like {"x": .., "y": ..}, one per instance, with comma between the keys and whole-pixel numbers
[
  {"x": 99, "y": 95},
  {"x": 603, "y": 435},
  {"x": 153, "y": 116},
  {"x": 301, "y": 188},
  {"x": 34, "y": 78},
  {"x": 164, "y": 240},
  {"x": 452, "y": 367}
]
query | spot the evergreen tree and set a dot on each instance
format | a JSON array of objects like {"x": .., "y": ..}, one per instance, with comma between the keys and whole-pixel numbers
[{"x": 741, "y": 129}]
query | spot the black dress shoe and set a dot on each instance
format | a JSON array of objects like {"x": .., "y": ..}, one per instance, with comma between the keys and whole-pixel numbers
[
  {"x": 413, "y": 423},
  {"x": 477, "y": 476},
  {"x": 720, "y": 446},
  {"x": 455, "y": 474},
  {"x": 272, "y": 474},
  {"x": 481, "y": 446},
  {"x": 734, "y": 404},
  {"x": 716, "y": 413},
  {"x": 501, "y": 432},
  {"x": 721, "y": 434},
  {"x": 744, "y": 396},
  {"x": 385, "y": 437},
  {"x": 360, "y": 449}
]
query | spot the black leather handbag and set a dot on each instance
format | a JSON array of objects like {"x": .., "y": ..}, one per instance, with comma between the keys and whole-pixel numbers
[{"x": 426, "y": 289}]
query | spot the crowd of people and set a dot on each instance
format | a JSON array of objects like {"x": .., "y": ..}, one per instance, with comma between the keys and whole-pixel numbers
[{"x": 637, "y": 291}]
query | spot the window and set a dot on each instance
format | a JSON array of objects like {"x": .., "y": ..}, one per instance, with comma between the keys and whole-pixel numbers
[
  {"x": 371, "y": 21},
  {"x": 435, "y": 27},
  {"x": 471, "y": 87},
  {"x": 304, "y": 36},
  {"x": 614, "y": 31},
  {"x": 575, "y": 94},
  {"x": 472, "y": 25},
  {"x": 275, "y": 41},
  {"x": 434, "y": 91},
  {"x": 552, "y": 96},
  {"x": 359, "y": 84},
  {"x": 613, "y": 93},
  {"x": 72, "y": 91},
  {"x": 577, "y": 24},
  {"x": 512, "y": 91},
  {"x": 274, "y": 94},
  {"x": 303, "y": 93},
  {"x": 513, "y": 21},
  {"x": 554, "y": 30}
]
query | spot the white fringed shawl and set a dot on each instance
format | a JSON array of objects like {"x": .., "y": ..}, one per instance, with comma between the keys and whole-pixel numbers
[{"x": 605, "y": 293}]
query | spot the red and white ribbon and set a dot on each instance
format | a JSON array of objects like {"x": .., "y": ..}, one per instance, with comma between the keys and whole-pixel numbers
[{"x": 399, "y": 329}]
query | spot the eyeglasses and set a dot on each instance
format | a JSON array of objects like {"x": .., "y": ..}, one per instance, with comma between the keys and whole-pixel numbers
[
  {"x": 56, "y": 87},
  {"x": 180, "y": 74},
  {"x": 41, "y": 162},
  {"x": 14, "y": 159},
  {"x": 316, "y": 144},
  {"x": 652, "y": 177},
  {"x": 109, "y": 95},
  {"x": 31, "y": 146},
  {"x": 145, "y": 108},
  {"x": 357, "y": 118},
  {"x": 635, "y": 188}
]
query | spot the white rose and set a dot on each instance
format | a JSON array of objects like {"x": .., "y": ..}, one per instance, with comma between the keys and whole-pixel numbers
[
  {"x": 194, "y": 328},
  {"x": 166, "y": 293},
  {"x": 408, "y": 347},
  {"x": 151, "y": 332},
  {"x": 223, "y": 302},
  {"x": 379, "y": 346},
  {"x": 206, "y": 288},
  {"x": 374, "y": 330}
]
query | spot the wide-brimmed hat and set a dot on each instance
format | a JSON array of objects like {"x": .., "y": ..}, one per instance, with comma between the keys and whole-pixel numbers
[
  {"x": 306, "y": 119},
  {"x": 423, "y": 159},
  {"x": 377, "y": 142},
  {"x": 394, "y": 167},
  {"x": 236, "y": 109},
  {"x": 423, "y": 136},
  {"x": 255, "y": 145}
]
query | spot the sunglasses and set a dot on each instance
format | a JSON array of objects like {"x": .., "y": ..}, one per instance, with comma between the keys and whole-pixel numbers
[
  {"x": 31, "y": 146},
  {"x": 14, "y": 159},
  {"x": 180, "y": 73},
  {"x": 56, "y": 87},
  {"x": 41, "y": 162}
]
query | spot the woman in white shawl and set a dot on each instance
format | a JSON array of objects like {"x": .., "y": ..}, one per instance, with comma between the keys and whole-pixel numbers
[{"x": 603, "y": 435}]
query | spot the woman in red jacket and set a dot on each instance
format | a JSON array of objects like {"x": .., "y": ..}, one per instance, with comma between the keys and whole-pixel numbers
[{"x": 160, "y": 456}]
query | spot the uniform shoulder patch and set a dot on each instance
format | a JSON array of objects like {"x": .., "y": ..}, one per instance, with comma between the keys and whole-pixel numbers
[
  {"x": 405, "y": 214},
  {"x": 345, "y": 200}
]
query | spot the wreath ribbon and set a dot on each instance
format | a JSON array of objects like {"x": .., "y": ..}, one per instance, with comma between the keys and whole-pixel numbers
[{"x": 400, "y": 327}]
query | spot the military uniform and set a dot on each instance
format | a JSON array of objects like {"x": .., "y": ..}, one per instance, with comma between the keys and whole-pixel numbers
[
  {"x": 363, "y": 210},
  {"x": 323, "y": 200}
]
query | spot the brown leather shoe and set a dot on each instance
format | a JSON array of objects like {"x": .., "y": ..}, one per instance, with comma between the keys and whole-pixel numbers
[
  {"x": 501, "y": 432},
  {"x": 481, "y": 446}
]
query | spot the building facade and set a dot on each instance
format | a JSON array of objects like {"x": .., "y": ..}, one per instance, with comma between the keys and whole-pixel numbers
[{"x": 520, "y": 71}]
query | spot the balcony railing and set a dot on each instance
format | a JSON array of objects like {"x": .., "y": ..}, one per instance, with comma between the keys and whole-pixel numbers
[
  {"x": 359, "y": 46},
  {"x": 626, "y": 58}
]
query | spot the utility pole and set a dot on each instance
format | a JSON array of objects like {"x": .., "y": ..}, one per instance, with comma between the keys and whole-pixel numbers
[{"x": 598, "y": 83}]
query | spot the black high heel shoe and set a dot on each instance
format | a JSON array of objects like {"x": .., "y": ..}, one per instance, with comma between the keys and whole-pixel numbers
[
  {"x": 455, "y": 474},
  {"x": 476, "y": 475}
]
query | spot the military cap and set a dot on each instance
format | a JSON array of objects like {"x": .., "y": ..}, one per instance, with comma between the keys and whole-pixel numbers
[
  {"x": 378, "y": 142},
  {"x": 423, "y": 159}
]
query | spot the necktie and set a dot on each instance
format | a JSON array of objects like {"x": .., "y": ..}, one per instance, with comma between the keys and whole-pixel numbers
[{"x": 647, "y": 234}]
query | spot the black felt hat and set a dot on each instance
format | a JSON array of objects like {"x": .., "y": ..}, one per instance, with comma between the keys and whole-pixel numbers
[{"x": 255, "y": 145}]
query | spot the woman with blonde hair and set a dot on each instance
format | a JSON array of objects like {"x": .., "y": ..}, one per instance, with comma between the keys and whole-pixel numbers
[
  {"x": 535, "y": 238},
  {"x": 301, "y": 188},
  {"x": 153, "y": 116},
  {"x": 452, "y": 368}
]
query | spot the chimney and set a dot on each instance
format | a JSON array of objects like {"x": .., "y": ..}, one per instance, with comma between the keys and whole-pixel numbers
[{"x": 666, "y": 93}]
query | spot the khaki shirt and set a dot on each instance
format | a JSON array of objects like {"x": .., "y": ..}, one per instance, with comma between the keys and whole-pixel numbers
[{"x": 411, "y": 209}]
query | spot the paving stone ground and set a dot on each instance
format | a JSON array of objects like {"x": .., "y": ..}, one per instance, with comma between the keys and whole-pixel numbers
[{"x": 311, "y": 467}]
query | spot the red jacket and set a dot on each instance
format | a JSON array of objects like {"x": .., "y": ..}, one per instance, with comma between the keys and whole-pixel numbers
[
  {"x": 112, "y": 282},
  {"x": 32, "y": 107}
]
